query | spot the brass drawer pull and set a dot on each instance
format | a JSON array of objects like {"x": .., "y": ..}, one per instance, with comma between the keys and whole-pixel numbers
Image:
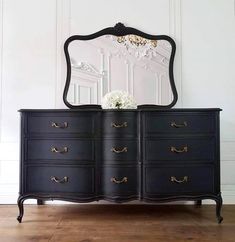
[
  {"x": 185, "y": 149},
  {"x": 123, "y": 125},
  {"x": 55, "y": 150},
  {"x": 174, "y": 179},
  {"x": 119, "y": 151},
  {"x": 63, "y": 180},
  {"x": 114, "y": 180},
  {"x": 175, "y": 125},
  {"x": 55, "y": 125}
]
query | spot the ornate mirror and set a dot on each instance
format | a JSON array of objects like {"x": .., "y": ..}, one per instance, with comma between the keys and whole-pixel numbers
[{"x": 120, "y": 58}]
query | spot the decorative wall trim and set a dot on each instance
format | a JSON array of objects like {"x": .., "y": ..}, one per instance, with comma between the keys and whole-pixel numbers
[
  {"x": 62, "y": 33},
  {"x": 1, "y": 63},
  {"x": 227, "y": 150},
  {"x": 175, "y": 31}
]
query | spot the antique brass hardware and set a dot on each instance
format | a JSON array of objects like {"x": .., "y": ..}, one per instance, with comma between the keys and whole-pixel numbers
[
  {"x": 115, "y": 125},
  {"x": 124, "y": 180},
  {"x": 119, "y": 151},
  {"x": 55, "y": 150},
  {"x": 174, "y": 179},
  {"x": 63, "y": 180},
  {"x": 55, "y": 125},
  {"x": 175, "y": 125},
  {"x": 185, "y": 149}
]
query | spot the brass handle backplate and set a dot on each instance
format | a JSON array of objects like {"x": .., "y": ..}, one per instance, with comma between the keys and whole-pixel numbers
[
  {"x": 55, "y": 150},
  {"x": 115, "y": 125},
  {"x": 174, "y": 179},
  {"x": 56, "y": 125},
  {"x": 119, "y": 151},
  {"x": 56, "y": 180},
  {"x": 175, "y": 125},
  {"x": 114, "y": 180},
  {"x": 184, "y": 149}
]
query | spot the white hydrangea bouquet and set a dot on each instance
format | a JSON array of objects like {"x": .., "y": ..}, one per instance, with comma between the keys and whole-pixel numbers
[{"x": 118, "y": 100}]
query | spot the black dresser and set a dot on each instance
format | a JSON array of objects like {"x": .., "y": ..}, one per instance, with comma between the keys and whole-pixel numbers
[{"x": 93, "y": 154}]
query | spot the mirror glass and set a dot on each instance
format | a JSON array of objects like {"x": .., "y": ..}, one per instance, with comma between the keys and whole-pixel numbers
[{"x": 130, "y": 63}]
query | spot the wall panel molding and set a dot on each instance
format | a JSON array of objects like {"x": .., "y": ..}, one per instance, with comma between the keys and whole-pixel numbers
[
  {"x": 175, "y": 31},
  {"x": 62, "y": 33},
  {"x": 1, "y": 63},
  {"x": 227, "y": 150}
]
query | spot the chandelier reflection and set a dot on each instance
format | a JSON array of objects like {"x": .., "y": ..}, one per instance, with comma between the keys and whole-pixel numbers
[{"x": 139, "y": 46}]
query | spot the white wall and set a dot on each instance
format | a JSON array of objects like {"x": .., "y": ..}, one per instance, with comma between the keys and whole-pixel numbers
[{"x": 32, "y": 66}]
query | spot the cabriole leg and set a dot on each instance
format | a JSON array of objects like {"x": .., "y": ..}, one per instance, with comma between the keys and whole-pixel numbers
[
  {"x": 21, "y": 208},
  {"x": 40, "y": 202},
  {"x": 198, "y": 203},
  {"x": 219, "y": 203}
]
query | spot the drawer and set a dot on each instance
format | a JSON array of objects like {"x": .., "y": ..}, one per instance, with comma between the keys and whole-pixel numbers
[
  {"x": 179, "y": 180},
  {"x": 184, "y": 149},
  {"x": 119, "y": 150},
  {"x": 82, "y": 124},
  {"x": 60, "y": 149},
  {"x": 119, "y": 180},
  {"x": 59, "y": 179},
  {"x": 120, "y": 123},
  {"x": 178, "y": 123}
]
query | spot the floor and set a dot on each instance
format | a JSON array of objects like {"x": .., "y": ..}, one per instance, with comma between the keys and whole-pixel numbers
[{"x": 116, "y": 223}]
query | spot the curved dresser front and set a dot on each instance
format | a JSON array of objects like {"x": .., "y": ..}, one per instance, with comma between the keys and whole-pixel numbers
[{"x": 148, "y": 155}]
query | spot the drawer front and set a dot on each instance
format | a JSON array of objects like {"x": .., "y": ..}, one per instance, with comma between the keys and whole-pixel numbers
[
  {"x": 178, "y": 123},
  {"x": 119, "y": 150},
  {"x": 58, "y": 179},
  {"x": 119, "y": 180},
  {"x": 180, "y": 149},
  {"x": 60, "y": 149},
  {"x": 120, "y": 124},
  {"x": 179, "y": 180},
  {"x": 82, "y": 124}
]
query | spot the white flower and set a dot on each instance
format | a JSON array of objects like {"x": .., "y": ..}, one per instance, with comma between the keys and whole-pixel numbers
[{"x": 118, "y": 100}]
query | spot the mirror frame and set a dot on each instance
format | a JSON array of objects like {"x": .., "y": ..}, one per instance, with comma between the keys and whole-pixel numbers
[{"x": 120, "y": 30}]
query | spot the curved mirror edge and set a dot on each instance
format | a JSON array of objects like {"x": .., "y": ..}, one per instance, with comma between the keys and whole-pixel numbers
[{"x": 119, "y": 30}]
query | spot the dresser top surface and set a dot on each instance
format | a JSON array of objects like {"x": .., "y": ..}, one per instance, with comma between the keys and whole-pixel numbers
[{"x": 123, "y": 110}]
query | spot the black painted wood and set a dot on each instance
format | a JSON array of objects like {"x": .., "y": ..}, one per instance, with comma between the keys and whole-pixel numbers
[
  {"x": 120, "y": 30},
  {"x": 113, "y": 181},
  {"x": 119, "y": 124},
  {"x": 188, "y": 180},
  {"x": 55, "y": 124},
  {"x": 90, "y": 170},
  {"x": 198, "y": 149},
  {"x": 179, "y": 123},
  {"x": 80, "y": 179},
  {"x": 60, "y": 149}
]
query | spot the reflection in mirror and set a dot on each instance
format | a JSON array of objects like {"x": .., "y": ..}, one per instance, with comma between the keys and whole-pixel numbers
[{"x": 130, "y": 63}]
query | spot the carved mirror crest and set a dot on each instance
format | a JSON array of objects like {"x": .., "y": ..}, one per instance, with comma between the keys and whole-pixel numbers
[{"x": 120, "y": 58}]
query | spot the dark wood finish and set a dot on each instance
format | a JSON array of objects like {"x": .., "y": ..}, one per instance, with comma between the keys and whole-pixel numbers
[
  {"x": 120, "y": 30},
  {"x": 142, "y": 166}
]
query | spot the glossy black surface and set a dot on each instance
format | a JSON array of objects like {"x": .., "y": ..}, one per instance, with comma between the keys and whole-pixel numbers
[{"x": 132, "y": 159}]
